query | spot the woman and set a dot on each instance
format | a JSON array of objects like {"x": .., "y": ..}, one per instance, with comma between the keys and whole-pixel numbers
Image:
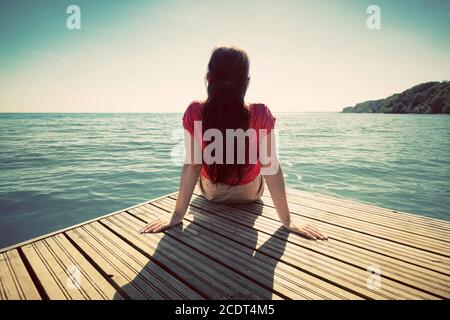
[{"x": 225, "y": 174}]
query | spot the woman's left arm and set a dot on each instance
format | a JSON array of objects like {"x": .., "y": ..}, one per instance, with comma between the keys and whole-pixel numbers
[
  {"x": 188, "y": 179},
  {"x": 189, "y": 176}
]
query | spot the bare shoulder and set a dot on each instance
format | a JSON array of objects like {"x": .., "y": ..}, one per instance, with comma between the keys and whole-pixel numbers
[
  {"x": 196, "y": 104},
  {"x": 258, "y": 108},
  {"x": 195, "y": 107}
]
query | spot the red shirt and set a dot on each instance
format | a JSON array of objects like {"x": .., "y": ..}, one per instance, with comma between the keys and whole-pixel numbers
[{"x": 260, "y": 118}]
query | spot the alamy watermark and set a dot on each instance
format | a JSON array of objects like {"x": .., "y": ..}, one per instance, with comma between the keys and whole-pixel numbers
[
  {"x": 373, "y": 21},
  {"x": 73, "y": 21},
  {"x": 374, "y": 277},
  {"x": 73, "y": 277}
]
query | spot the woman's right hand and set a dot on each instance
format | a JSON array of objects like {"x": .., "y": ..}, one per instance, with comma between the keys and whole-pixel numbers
[
  {"x": 164, "y": 222},
  {"x": 305, "y": 229}
]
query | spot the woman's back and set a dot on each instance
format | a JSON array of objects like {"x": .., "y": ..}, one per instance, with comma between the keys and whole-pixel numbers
[{"x": 260, "y": 120}]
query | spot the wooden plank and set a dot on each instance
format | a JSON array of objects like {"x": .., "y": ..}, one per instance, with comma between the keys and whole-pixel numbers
[
  {"x": 370, "y": 209},
  {"x": 52, "y": 259},
  {"x": 425, "y": 259},
  {"x": 209, "y": 277},
  {"x": 15, "y": 281},
  {"x": 411, "y": 275},
  {"x": 137, "y": 275},
  {"x": 52, "y": 277},
  {"x": 416, "y": 241},
  {"x": 91, "y": 281},
  {"x": 412, "y": 227},
  {"x": 343, "y": 274}
]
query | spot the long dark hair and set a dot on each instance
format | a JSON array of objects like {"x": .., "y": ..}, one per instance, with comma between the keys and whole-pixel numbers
[{"x": 225, "y": 108}]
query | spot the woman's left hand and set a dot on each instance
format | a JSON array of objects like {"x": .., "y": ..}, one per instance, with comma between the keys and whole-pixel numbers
[{"x": 162, "y": 223}]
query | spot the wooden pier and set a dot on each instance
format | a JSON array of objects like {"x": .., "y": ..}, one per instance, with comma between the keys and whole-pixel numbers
[{"x": 236, "y": 252}]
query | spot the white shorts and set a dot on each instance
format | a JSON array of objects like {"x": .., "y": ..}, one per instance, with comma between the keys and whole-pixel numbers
[{"x": 241, "y": 193}]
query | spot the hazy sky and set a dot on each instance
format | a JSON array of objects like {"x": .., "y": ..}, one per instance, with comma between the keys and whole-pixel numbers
[{"x": 151, "y": 56}]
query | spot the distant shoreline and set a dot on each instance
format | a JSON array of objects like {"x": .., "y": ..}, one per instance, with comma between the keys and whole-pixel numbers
[{"x": 425, "y": 98}]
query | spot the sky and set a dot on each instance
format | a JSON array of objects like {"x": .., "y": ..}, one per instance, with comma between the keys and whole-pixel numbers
[{"x": 151, "y": 56}]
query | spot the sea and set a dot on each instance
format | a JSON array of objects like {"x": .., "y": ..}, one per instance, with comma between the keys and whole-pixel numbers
[{"x": 60, "y": 169}]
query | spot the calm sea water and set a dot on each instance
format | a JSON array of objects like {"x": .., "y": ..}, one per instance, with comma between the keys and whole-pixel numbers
[{"x": 57, "y": 170}]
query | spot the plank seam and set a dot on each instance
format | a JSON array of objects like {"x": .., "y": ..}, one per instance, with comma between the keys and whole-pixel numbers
[
  {"x": 14, "y": 277},
  {"x": 97, "y": 267},
  {"x": 37, "y": 283},
  {"x": 64, "y": 267},
  {"x": 82, "y": 270}
]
